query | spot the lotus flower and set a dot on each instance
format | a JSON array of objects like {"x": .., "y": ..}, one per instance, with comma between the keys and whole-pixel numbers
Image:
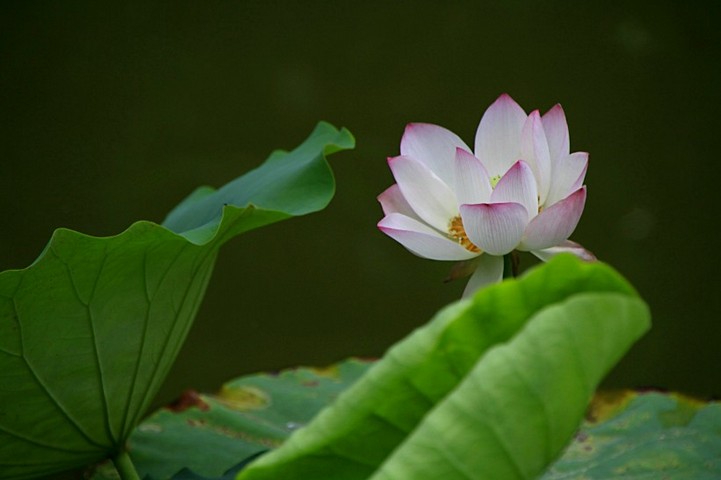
[{"x": 520, "y": 189}]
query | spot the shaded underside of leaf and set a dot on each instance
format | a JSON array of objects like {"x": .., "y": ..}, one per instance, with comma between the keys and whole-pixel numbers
[
  {"x": 89, "y": 331},
  {"x": 446, "y": 377}
]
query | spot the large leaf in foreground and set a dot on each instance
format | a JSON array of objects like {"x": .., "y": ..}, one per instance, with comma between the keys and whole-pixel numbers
[
  {"x": 492, "y": 387},
  {"x": 90, "y": 329}
]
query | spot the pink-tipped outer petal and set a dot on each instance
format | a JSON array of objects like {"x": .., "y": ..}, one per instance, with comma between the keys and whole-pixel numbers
[
  {"x": 472, "y": 182},
  {"x": 554, "y": 123},
  {"x": 427, "y": 194},
  {"x": 555, "y": 224},
  {"x": 422, "y": 240},
  {"x": 568, "y": 176},
  {"x": 498, "y": 136},
  {"x": 496, "y": 228},
  {"x": 488, "y": 272},
  {"x": 393, "y": 201},
  {"x": 565, "y": 247},
  {"x": 518, "y": 185},
  {"x": 534, "y": 150},
  {"x": 433, "y": 145}
]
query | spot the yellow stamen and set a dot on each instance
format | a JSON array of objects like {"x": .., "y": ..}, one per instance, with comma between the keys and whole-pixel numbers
[{"x": 458, "y": 233}]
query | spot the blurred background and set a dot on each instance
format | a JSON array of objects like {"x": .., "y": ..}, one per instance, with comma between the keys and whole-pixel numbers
[{"x": 113, "y": 113}]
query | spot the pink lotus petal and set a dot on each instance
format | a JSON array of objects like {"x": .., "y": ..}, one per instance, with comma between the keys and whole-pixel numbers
[
  {"x": 393, "y": 201},
  {"x": 427, "y": 194},
  {"x": 518, "y": 185},
  {"x": 422, "y": 240},
  {"x": 565, "y": 247},
  {"x": 554, "y": 224},
  {"x": 489, "y": 271},
  {"x": 434, "y": 146},
  {"x": 496, "y": 228},
  {"x": 534, "y": 150},
  {"x": 472, "y": 182},
  {"x": 498, "y": 135},
  {"x": 568, "y": 175},
  {"x": 554, "y": 123}
]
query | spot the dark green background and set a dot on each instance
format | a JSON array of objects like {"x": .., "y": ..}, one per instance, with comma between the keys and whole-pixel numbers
[{"x": 114, "y": 112}]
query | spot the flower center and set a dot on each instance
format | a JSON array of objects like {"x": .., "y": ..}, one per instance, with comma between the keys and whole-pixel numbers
[
  {"x": 495, "y": 180},
  {"x": 458, "y": 233}
]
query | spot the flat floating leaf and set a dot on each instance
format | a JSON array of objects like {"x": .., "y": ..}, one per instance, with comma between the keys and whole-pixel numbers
[
  {"x": 88, "y": 332},
  {"x": 492, "y": 387},
  {"x": 639, "y": 436},
  {"x": 630, "y": 435},
  {"x": 210, "y": 434}
]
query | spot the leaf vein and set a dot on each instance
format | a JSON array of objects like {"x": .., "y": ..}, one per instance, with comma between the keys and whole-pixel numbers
[
  {"x": 96, "y": 351},
  {"x": 38, "y": 443},
  {"x": 12, "y": 354},
  {"x": 148, "y": 389},
  {"x": 490, "y": 426},
  {"x": 45, "y": 388},
  {"x": 126, "y": 425},
  {"x": 536, "y": 395}
]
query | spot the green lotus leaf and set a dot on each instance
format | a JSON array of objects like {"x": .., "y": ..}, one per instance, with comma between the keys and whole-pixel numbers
[
  {"x": 638, "y": 436},
  {"x": 627, "y": 434},
  {"x": 492, "y": 387},
  {"x": 210, "y": 434},
  {"x": 89, "y": 331}
]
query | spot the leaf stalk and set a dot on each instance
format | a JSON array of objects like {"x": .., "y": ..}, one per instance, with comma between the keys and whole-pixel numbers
[
  {"x": 510, "y": 265},
  {"x": 124, "y": 466}
]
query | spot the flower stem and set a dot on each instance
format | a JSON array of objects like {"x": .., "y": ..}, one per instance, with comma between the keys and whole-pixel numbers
[
  {"x": 510, "y": 265},
  {"x": 125, "y": 466}
]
